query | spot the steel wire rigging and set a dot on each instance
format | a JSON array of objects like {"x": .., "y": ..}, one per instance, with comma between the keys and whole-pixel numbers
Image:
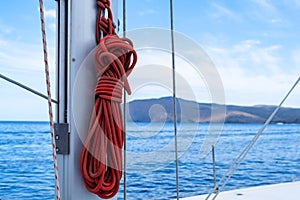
[{"x": 233, "y": 167}]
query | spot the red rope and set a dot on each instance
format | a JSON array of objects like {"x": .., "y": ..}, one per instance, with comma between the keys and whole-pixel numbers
[
  {"x": 101, "y": 155},
  {"x": 57, "y": 189}
]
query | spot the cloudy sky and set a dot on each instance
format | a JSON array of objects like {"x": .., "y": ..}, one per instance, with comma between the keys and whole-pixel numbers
[{"x": 254, "y": 45}]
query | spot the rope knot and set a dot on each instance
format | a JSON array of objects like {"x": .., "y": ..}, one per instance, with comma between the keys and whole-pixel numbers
[
  {"x": 103, "y": 4},
  {"x": 104, "y": 25},
  {"x": 113, "y": 59}
]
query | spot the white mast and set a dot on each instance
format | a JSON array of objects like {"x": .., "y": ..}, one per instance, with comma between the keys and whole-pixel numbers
[{"x": 76, "y": 38}]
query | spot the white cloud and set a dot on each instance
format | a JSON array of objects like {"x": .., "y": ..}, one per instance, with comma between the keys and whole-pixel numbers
[
  {"x": 24, "y": 63},
  {"x": 5, "y": 29},
  {"x": 276, "y": 21},
  {"x": 2, "y": 42},
  {"x": 250, "y": 72},
  {"x": 50, "y": 16},
  {"x": 253, "y": 73},
  {"x": 249, "y": 55},
  {"x": 268, "y": 11},
  {"x": 152, "y": 78},
  {"x": 23, "y": 56},
  {"x": 52, "y": 27},
  {"x": 147, "y": 12},
  {"x": 266, "y": 5},
  {"x": 50, "y": 13},
  {"x": 296, "y": 61},
  {"x": 295, "y": 2},
  {"x": 221, "y": 11}
]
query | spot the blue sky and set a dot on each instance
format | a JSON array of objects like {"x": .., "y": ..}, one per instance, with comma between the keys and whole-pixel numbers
[{"x": 254, "y": 44}]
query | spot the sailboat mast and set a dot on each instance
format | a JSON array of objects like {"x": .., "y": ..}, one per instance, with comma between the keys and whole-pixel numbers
[
  {"x": 75, "y": 40},
  {"x": 62, "y": 90}
]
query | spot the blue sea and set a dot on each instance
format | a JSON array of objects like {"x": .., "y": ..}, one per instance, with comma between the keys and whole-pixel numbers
[{"x": 26, "y": 167}]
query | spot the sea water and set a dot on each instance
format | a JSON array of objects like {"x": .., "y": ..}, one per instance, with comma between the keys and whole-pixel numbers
[{"x": 26, "y": 167}]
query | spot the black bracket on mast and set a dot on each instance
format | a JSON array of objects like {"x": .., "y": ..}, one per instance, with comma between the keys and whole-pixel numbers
[{"x": 62, "y": 138}]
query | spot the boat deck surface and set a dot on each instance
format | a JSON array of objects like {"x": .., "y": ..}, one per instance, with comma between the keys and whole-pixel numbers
[{"x": 283, "y": 191}]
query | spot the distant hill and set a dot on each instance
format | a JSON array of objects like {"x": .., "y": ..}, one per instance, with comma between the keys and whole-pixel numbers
[{"x": 161, "y": 110}]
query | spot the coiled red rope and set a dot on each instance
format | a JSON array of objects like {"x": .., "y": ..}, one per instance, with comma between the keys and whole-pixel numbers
[{"x": 101, "y": 155}]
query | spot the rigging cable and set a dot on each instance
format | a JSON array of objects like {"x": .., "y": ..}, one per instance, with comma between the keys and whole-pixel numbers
[
  {"x": 57, "y": 189},
  {"x": 101, "y": 155},
  {"x": 174, "y": 97},
  {"x": 226, "y": 177},
  {"x": 26, "y": 88},
  {"x": 125, "y": 113}
]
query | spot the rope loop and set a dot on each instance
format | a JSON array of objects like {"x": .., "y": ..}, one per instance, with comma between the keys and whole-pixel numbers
[{"x": 109, "y": 88}]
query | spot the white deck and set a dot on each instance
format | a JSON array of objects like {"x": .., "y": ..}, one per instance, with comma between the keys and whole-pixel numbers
[{"x": 283, "y": 191}]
